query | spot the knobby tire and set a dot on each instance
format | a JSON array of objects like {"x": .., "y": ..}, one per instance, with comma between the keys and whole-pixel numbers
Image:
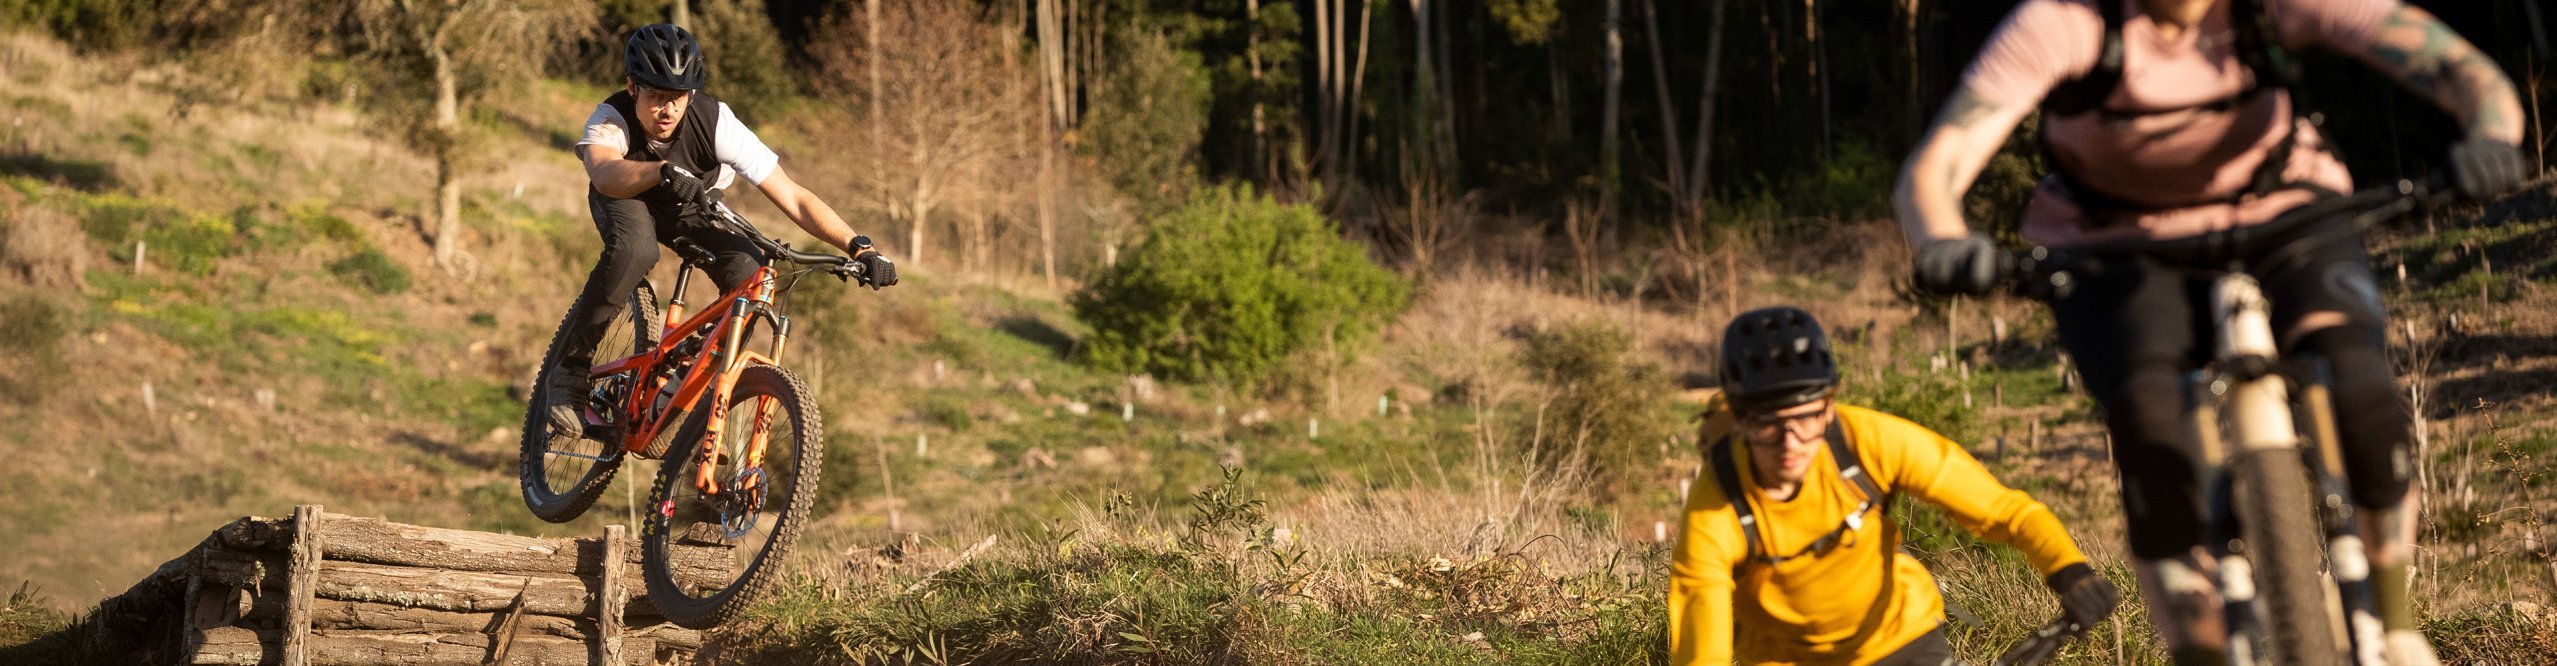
[
  {"x": 566, "y": 502},
  {"x": 792, "y": 459}
]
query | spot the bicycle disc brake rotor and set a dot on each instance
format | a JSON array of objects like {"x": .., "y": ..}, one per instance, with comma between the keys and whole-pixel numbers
[{"x": 742, "y": 501}]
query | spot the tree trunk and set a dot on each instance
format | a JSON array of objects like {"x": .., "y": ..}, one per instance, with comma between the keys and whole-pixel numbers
[
  {"x": 1358, "y": 83},
  {"x": 918, "y": 209},
  {"x": 447, "y": 137},
  {"x": 684, "y": 14},
  {"x": 1607, "y": 143},
  {"x": 1322, "y": 113},
  {"x": 1052, "y": 59},
  {"x": 1048, "y": 209},
  {"x": 878, "y": 93},
  {"x": 1673, "y": 165},
  {"x": 1701, "y": 167},
  {"x": 1819, "y": 69}
]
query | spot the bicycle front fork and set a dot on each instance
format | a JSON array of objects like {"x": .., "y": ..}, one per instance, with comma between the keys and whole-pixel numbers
[{"x": 2353, "y": 604}]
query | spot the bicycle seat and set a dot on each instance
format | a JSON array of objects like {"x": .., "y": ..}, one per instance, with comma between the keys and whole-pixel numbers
[{"x": 692, "y": 253}]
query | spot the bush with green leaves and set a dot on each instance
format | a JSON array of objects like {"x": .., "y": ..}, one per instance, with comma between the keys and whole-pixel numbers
[
  {"x": 371, "y": 269},
  {"x": 1608, "y": 414},
  {"x": 1226, "y": 286}
]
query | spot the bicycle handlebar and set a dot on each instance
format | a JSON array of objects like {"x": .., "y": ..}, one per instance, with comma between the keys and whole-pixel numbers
[
  {"x": 2041, "y": 645},
  {"x": 728, "y": 220},
  {"x": 2046, "y": 273}
]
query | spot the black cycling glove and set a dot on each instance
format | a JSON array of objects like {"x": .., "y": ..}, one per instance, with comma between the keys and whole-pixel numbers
[
  {"x": 2086, "y": 598},
  {"x": 677, "y": 181},
  {"x": 876, "y": 270},
  {"x": 1966, "y": 265},
  {"x": 2485, "y": 168}
]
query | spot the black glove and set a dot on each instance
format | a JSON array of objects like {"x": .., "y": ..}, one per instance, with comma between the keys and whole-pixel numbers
[
  {"x": 2086, "y": 598},
  {"x": 876, "y": 271},
  {"x": 685, "y": 186},
  {"x": 2484, "y": 168},
  {"x": 1966, "y": 265}
]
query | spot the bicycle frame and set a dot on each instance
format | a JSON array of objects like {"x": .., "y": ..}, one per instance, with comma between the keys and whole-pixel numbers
[{"x": 724, "y": 356}]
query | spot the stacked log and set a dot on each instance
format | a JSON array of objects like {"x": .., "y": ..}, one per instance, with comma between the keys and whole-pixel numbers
[{"x": 321, "y": 588}]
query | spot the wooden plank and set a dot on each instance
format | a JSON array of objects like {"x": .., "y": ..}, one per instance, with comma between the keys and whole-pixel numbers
[
  {"x": 455, "y": 591},
  {"x": 298, "y": 587},
  {"x": 330, "y": 615},
  {"x": 235, "y": 646},
  {"x": 376, "y": 541},
  {"x": 612, "y": 598}
]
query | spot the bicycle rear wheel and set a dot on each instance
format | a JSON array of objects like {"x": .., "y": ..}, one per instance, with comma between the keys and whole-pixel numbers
[
  {"x": 562, "y": 475},
  {"x": 708, "y": 556},
  {"x": 2284, "y": 539}
]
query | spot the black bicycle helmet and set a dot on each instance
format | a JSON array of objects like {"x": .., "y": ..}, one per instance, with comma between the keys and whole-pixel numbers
[
  {"x": 1773, "y": 358},
  {"x": 664, "y": 55}
]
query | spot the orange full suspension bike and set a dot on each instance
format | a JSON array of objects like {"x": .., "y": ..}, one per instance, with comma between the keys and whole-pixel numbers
[{"x": 743, "y": 433}]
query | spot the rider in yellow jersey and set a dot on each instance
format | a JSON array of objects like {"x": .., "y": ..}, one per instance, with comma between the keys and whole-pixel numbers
[{"x": 1803, "y": 567}]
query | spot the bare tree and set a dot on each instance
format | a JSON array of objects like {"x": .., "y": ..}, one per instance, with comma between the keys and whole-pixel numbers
[
  {"x": 944, "y": 105},
  {"x": 468, "y": 47},
  {"x": 1702, "y": 156},
  {"x": 1608, "y": 151},
  {"x": 1673, "y": 169}
]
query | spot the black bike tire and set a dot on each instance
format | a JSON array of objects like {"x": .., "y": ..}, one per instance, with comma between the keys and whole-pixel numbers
[
  {"x": 799, "y": 408},
  {"x": 532, "y": 471},
  {"x": 2285, "y": 545}
]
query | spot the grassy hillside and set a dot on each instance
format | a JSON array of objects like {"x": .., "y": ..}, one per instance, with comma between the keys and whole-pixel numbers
[{"x": 210, "y": 310}]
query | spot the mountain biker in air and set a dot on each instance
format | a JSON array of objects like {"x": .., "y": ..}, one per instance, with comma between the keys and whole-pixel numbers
[
  {"x": 1784, "y": 555},
  {"x": 690, "y": 147},
  {"x": 2170, "y": 119}
]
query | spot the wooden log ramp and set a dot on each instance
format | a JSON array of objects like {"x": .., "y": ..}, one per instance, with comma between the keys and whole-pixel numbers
[{"x": 322, "y": 589}]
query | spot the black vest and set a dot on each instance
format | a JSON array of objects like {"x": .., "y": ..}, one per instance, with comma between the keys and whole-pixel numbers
[{"x": 695, "y": 146}]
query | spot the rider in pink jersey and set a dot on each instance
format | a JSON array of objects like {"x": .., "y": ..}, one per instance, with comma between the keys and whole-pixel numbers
[{"x": 2172, "y": 119}]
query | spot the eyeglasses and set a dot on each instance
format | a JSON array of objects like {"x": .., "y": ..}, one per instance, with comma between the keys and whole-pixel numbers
[
  {"x": 1770, "y": 428},
  {"x": 648, "y": 96}
]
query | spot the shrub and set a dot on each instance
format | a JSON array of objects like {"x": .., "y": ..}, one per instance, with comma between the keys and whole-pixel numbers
[
  {"x": 1229, "y": 284},
  {"x": 1607, "y": 412},
  {"x": 32, "y": 328},
  {"x": 372, "y": 270}
]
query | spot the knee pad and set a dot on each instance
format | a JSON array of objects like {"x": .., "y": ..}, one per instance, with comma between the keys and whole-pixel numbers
[{"x": 2370, "y": 415}]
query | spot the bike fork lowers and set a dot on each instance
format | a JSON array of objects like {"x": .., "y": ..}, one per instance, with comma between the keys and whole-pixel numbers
[{"x": 2345, "y": 548}]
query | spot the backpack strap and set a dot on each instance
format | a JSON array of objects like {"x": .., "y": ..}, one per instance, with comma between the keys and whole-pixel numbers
[
  {"x": 1727, "y": 473},
  {"x": 2088, "y": 91},
  {"x": 1850, "y": 467}
]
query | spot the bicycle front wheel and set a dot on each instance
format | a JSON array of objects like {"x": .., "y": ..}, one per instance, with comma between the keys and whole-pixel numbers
[
  {"x": 709, "y": 553},
  {"x": 563, "y": 474},
  {"x": 2279, "y": 518}
]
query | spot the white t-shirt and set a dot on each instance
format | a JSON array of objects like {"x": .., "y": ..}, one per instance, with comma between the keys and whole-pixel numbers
[{"x": 738, "y": 147}]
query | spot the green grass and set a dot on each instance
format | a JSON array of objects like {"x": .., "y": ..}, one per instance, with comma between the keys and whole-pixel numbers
[{"x": 1120, "y": 593}]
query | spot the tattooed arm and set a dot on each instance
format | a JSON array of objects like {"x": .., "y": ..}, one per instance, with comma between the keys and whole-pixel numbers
[
  {"x": 1966, "y": 134},
  {"x": 2428, "y": 58}
]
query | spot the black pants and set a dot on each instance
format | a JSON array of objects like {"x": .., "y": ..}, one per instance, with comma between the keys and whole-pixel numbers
[
  {"x": 632, "y": 230},
  {"x": 1928, "y": 649},
  {"x": 2137, "y": 325}
]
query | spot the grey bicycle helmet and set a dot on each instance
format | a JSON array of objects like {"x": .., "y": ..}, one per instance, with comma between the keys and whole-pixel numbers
[
  {"x": 1773, "y": 358},
  {"x": 664, "y": 55}
]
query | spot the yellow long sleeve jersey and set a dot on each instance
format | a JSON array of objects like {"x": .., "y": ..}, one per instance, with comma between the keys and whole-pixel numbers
[{"x": 1861, "y": 599}]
